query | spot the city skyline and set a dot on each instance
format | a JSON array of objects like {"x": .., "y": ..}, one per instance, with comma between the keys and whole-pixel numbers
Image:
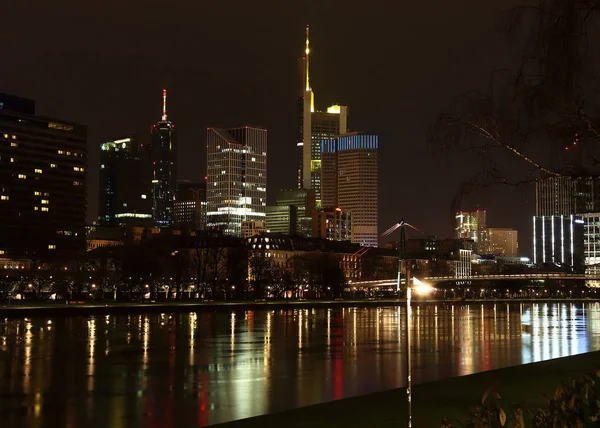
[{"x": 125, "y": 102}]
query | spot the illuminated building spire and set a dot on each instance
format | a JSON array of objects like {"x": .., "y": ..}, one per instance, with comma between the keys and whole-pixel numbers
[
  {"x": 164, "y": 111},
  {"x": 307, "y": 52},
  {"x": 306, "y": 72}
]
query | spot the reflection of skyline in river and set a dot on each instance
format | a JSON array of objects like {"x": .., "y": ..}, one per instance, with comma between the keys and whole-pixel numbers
[{"x": 200, "y": 368}]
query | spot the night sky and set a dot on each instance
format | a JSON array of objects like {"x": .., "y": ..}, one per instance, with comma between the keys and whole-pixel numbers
[{"x": 231, "y": 63}]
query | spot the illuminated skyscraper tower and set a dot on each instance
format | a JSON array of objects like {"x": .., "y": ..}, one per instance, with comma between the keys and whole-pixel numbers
[
  {"x": 350, "y": 182},
  {"x": 312, "y": 128},
  {"x": 236, "y": 167},
  {"x": 163, "y": 157}
]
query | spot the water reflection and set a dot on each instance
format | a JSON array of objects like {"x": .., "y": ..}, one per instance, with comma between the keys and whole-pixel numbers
[{"x": 198, "y": 369}]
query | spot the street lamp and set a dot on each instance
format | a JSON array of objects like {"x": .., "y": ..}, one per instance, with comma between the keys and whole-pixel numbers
[{"x": 420, "y": 288}]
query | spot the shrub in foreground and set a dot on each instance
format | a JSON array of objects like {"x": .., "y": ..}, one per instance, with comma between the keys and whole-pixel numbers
[{"x": 574, "y": 404}]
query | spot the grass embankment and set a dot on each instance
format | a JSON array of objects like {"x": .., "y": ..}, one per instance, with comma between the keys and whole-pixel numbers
[{"x": 453, "y": 398}]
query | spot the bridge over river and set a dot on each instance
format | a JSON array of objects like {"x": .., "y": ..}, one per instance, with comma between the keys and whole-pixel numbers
[{"x": 508, "y": 277}]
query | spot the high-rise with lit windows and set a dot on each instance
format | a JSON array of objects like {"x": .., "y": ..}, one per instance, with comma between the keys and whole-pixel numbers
[
  {"x": 503, "y": 242},
  {"x": 559, "y": 240},
  {"x": 567, "y": 194},
  {"x": 189, "y": 207},
  {"x": 314, "y": 126},
  {"x": 125, "y": 196},
  {"x": 473, "y": 225},
  {"x": 350, "y": 182},
  {"x": 163, "y": 157},
  {"x": 236, "y": 188},
  {"x": 43, "y": 182}
]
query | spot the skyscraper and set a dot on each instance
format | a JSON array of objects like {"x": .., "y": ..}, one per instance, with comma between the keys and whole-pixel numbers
[
  {"x": 292, "y": 213},
  {"x": 565, "y": 195},
  {"x": 163, "y": 157},
  {"x": 559, "y": 240},
  {"x": 189, "y": 207},
  {"x": 313, "y": 127},
  {"x": 237, "y": 177},
  {"x": 473, "y": 225},
  {"x": 503, "y": 242},
  {"x": 591, "y": 244},
  {"x": 43, "y": 182},
  {"x": 332, "y": 224},
  {"x": 125, "y": 196},
  {"x": 350, "y": 182}
]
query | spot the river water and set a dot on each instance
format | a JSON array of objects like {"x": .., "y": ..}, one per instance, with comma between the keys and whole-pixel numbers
[{"x": 197, "y": 369}]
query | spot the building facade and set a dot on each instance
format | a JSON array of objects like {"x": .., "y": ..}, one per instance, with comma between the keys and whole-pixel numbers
[
  {"x": 313, "y": 127},
  {"x": 332, "y": 224},
  {"x": 566, "y": 195},
  {"x": 163, "y": 158},
  {"x": 292, "y": 213},
  {"x": 125, "y": 196},
  {"x": 559, "y": 240},
  {"x": 281, "y": 219},
  {"x": 377, "y": 263},
  {"x": 591, "y": 244},
  {"x": 473, "y": 225},
  {"x": 503, "y": 242},
  {"x": 43, "y": 182},
  {"x": 351, "y": 182},
  {"x": 252, "y": 228},
  {"x": 237, "y": 177},
  {"x": 189, "y": 207}
]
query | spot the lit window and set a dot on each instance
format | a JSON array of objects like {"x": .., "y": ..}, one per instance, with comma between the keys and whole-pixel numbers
[
  {"x": 60, "y": 152},
  {"x": 45, "y": 209},
  {"x": 14, "y": 137},
  {"x": 143, "y": 196},
  {"x": 12, "y": 160},
  {"x": 44, "y": 201},
  {"x": 37, "y": 193},
  {"x": 5, "y": 135},
  {"x": 22, "y": 176},
  {"x": 38, "y": 171},
  {"x": 253, "y": 159},
  {"x": 14, "y": 144},
  {"x": 52, "y": 165},
  {"x": 68, "y": 153},
  {"x": 3, "y": 198},
  {"x": 36, "y": 208},
  {"x": 52, "y": 247},
  {"x": 2, "y": 252},
  {"x": 77, "y": 183}
]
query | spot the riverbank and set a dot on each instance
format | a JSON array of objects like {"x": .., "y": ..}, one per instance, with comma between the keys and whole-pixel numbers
[
  {"x": 433, "y": 401},
  {"x": 49, "y": 308}
]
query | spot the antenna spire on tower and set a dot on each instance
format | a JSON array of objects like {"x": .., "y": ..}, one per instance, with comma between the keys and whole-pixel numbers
[
  {"x": 164, "y": 111},
  {"x": 307, "y": 53}
]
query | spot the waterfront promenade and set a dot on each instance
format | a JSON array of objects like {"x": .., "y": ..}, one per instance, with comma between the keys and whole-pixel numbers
[
  {"x": 36, "y": 308},
  {"x": 452, "y": 398}
]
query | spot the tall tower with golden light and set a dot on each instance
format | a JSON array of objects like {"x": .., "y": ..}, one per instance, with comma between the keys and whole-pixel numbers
[{"x": 314, "y": 126}]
